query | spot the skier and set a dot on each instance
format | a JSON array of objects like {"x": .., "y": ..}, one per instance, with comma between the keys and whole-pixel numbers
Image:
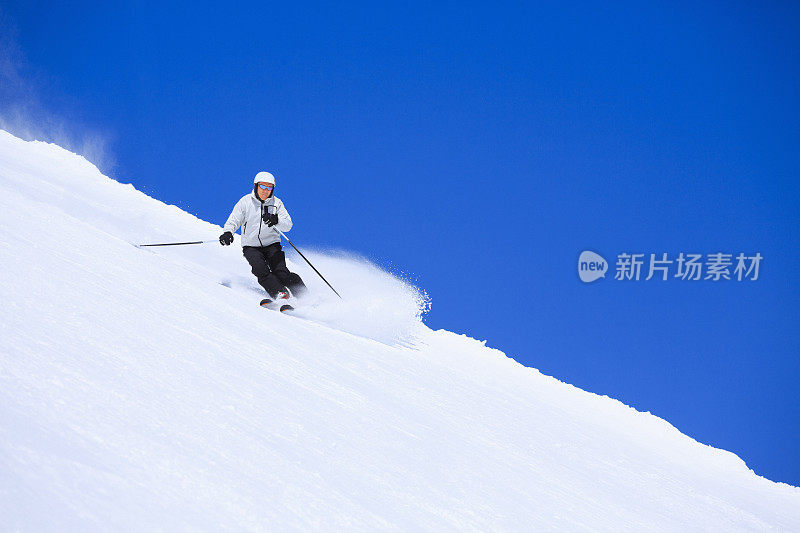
[{"x": 259, "y": 214}]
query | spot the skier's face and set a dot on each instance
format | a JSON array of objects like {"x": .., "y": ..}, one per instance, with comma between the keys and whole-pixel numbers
[{"x": 264, "y": 190}]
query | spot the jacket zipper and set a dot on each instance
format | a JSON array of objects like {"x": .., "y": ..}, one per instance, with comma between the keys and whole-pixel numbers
[{"x": 260, "y": 221}]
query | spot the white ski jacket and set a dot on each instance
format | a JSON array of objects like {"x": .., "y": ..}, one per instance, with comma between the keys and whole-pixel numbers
[{"x": 247, "y": 215}]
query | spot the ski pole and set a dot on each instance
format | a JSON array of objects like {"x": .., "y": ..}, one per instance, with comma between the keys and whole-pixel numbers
[
  {"x": 174, "y": 243},
  {"x": 307, "y": 261}
]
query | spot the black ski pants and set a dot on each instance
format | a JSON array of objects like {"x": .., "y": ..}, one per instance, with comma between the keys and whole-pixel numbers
[{"x": 268, "y": 264}]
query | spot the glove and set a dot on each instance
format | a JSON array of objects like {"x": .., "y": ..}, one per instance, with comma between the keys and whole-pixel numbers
[
  {"x": 226, "y": 238},
  {"x": 271, "y": 220}
]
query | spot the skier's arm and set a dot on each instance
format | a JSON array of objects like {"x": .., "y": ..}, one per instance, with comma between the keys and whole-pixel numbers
[
  {"x": 284, "y": 220},
  {"x": 236, "y": 218}
]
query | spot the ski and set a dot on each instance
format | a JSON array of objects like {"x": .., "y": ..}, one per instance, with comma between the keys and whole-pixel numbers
[{"x": 275, "y": 306}]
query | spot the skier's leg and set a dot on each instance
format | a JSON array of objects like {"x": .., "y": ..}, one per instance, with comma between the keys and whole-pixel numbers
[
  {"x": 260, "y": 268},
  {"x": 296, "y": 285},
  {"x": 277, "y": 263}
]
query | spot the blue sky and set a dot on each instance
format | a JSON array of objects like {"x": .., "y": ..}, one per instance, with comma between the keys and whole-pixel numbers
[{"x": 480, "y": 148}]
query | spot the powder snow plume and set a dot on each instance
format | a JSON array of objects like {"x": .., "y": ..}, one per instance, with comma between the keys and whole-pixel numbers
[{"x": 375, "y": 304}]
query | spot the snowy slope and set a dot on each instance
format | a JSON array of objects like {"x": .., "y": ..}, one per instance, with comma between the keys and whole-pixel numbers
[{"x": 144, "y": 388}]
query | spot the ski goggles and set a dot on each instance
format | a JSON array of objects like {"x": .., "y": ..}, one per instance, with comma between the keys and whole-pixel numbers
[{"x": 266, "y": 187}]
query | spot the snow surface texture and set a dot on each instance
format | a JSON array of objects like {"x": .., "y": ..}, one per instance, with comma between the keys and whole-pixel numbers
[{"x": 144, "y": 388}]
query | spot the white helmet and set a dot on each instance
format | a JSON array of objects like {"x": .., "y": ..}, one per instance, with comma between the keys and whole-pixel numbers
[{"x": 264, "y": 177}]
